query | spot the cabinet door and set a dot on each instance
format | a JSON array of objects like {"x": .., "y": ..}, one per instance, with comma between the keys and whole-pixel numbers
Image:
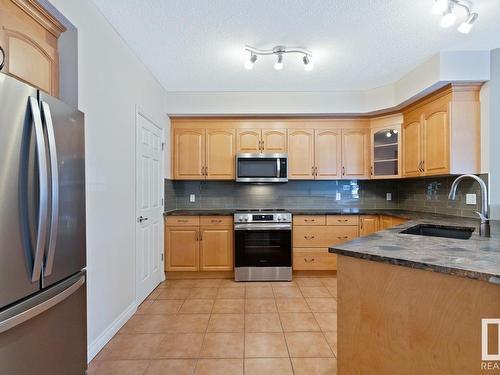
[
  {"x": 328, "y": 154},
  {"x": 216, "y": 249},
  {"x": 220, "y": 154},
  {"x": 412, "y": 147},
  {"x": 385, "y": 222},
  {"x": 274, "y": 140},
  {"x": 386, "y": 152},
  {"x": 436, "y": 142},
  {"x": 368, "y": 224},
  {"x": 181, "y": 249},
  {"x": 31, "y": 50},
  {"x": 189, "y": 154},
  {"x": 355, "y": 154},
  {"x": 248, "y": 140},
  {"x": 301, "y": 154}
]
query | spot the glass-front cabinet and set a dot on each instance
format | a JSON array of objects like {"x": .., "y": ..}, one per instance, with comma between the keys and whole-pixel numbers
[{"x": 386, "y": 152}]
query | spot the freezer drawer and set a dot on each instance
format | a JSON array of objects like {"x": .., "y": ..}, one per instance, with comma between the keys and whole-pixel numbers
[{"x": 52, "y": 342}]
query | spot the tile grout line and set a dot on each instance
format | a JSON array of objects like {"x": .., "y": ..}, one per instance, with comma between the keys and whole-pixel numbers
[{"x": 284, "y": 336}]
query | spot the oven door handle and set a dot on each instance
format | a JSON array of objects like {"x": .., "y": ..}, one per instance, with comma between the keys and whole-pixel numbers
[{"x": 262, "y": 227}]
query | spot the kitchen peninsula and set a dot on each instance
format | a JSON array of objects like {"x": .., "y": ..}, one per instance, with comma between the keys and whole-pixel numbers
[{"x": 412, "y": 304}]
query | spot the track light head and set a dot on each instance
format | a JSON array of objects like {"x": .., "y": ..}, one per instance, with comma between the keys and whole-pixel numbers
[
  {"x": 278, "y": 65},
  {"x": 466, "y": 26},
  {"x": 308, "y": 64},
  {"x": 439, "y": 6},
  {"x": 449, "y": 17},
  {"x": 251, "y": 61}
]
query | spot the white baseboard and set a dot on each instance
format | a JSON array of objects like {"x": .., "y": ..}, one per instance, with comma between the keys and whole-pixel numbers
[{"x": 95, "y": 347}]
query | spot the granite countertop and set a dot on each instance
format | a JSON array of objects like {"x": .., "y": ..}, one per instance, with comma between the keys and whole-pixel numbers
[{"x": 475, "y": 258}]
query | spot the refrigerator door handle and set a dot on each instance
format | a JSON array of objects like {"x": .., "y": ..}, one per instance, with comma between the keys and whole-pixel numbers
[
  {"x": 41, "y": 235},
  {"x": 26, "y": 315},
  {"x": 54, "y": 172}
]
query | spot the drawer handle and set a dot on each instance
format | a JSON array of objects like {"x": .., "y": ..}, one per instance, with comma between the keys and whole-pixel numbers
[
  {"x": 309, "y": 220},
  {"x": 342, "y": 220},
  {"x": 182, "y": 221},
  {"x": 216, "y": 221},
  {"x": 308, "y": 237},
  {"x": 343, "y": 237},
  {"x": 308, "y": 260}
]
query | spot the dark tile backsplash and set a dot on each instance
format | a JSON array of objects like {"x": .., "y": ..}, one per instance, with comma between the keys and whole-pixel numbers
[{"x": 426, "y": 194}]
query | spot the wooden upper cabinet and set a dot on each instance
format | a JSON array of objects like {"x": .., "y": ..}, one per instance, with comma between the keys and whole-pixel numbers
[
  {"x": 249, "y": 140},
  {"x": 220, "y": 154},
  {"x": 436, "y": 142},
  {"x": 216, "y": 248},
  {"x": 412, "y": 146},
  {"x": 301, "y": 154},
  {"x": 181, "y": 248},
  {"x": 355, "y": 154},
  {"x": 189, "y": 154},
  {"x": 274, "y": 141},
  {"x": 441, "y": 134},
  {"x": 28, "y": 35},
  {"x": 328, "y": 154}
]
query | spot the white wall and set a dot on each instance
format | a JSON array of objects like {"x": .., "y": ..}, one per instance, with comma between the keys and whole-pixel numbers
[
  {"x": 111, "y": 82},
  {"x": 494, "y": 134}
]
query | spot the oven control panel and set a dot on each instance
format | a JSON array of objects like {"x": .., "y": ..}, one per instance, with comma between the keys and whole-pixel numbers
[{"x": 268, "y": 217}]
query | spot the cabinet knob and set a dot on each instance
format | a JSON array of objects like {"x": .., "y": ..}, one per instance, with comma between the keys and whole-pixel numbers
[{"x": 308, "y": 260}]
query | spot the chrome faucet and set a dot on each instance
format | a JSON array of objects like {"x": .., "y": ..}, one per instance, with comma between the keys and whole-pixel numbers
[{"x": 484, "y": 228}]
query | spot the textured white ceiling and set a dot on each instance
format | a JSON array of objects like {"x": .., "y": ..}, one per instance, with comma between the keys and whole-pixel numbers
[{"x": 197, "y": 45}]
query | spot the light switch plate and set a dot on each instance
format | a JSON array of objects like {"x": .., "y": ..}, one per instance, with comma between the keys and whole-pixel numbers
[
  {"x": 338, "y": 197},
  {"x": 470, "y": 199},
  {"x": 388, "y": 196},
  {"x": 192, "y": 198}
]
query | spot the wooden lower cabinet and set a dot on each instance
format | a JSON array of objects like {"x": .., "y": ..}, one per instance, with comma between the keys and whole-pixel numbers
[
  {"x": 368, "y": 224},
  {"x": 389, "y": 221},
  {"x": 182, "y": 248},
  {"x": 312, "y": 235},
  {"x": 194, "y": 243},
  {"x": 216, "y": 248}
]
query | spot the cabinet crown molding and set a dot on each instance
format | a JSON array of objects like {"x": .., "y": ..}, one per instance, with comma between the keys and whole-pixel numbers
[{"x": 40, "y": 15}]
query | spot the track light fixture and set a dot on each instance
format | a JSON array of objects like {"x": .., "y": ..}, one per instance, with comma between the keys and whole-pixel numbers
[
  {"x": 279, "y": 52},
  {"x": 447, "y": 9}
]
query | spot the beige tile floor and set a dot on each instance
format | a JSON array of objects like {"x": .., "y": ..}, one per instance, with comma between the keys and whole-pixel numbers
[{"x": 205, "y": 327}]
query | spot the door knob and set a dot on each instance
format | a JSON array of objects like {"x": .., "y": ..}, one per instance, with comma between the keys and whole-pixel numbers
[{"x": 140, "y": 219}]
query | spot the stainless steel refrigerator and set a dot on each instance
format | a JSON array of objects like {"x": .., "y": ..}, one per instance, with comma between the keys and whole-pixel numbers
[{"x": 42, "y": 234}]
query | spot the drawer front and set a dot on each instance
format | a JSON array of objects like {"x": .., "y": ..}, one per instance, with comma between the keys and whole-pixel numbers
[
  {"x": 216, "y": 220},
  {"x": 183, "y": 220},
  {"x": 342, "y": 220},
  {"x": 323, "y": 236},
  {"x": 305, "y": 259},
  {"x": 309, "y": 220}
]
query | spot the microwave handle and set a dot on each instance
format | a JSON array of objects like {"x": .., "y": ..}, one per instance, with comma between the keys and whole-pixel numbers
[{"x": 278, "y": 167}]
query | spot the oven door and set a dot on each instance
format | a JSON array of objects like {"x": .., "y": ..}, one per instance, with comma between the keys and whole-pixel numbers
[
  {"x": 263, "y": 246},
  {"x": 261, "y": 168}
]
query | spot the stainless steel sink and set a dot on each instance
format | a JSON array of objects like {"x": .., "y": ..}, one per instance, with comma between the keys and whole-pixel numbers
[{"x": 461, "y": 233}]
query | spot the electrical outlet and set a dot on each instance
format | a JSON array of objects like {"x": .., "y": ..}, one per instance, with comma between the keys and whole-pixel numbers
[
  {"x": 388, "y": 196},
  {"x": 338, "y": 196},
  {"x": 192, "y": 198},
  {"x": 470, "y": 199}
]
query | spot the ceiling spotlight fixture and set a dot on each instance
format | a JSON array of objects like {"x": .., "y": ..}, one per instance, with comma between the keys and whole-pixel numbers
[
  {"x": 278, "y": 65},
  {"x": 448, "y": 10},
  {"x": 251, "y": 61},
  {"x": 308, "y": 64},
  {"x": 279, "y": 52}
]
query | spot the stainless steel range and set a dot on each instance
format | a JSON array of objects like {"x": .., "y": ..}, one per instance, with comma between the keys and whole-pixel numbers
[{"x": 263, "y": 245}]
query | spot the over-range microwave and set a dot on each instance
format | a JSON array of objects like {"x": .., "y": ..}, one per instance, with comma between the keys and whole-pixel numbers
[{"x": 261, "y": 167}]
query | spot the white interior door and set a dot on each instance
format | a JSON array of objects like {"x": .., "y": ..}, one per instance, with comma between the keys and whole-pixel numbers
[{"x": 149, "y": 207}]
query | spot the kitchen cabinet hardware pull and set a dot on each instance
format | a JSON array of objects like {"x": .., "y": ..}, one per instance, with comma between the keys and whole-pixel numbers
[
  {"x": 2, "y": 53},
  {"x": 343, "y": 237},
  {"x": 216, "y": 221},
  {"x": 308, "y": 260},
  {"x": 201, "y": 235},
  {"x": 182, "y": 220},
  {"x": 197, "y": 238},
  {"x": 312, "y": 171},
  {"x": 342, "y": 220},
  {"x": 343, "y": 171},
  {"x": 371, "y": 170},
  {"x": 309, "y": 237},
  {"x": 309, "y": 220}
]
